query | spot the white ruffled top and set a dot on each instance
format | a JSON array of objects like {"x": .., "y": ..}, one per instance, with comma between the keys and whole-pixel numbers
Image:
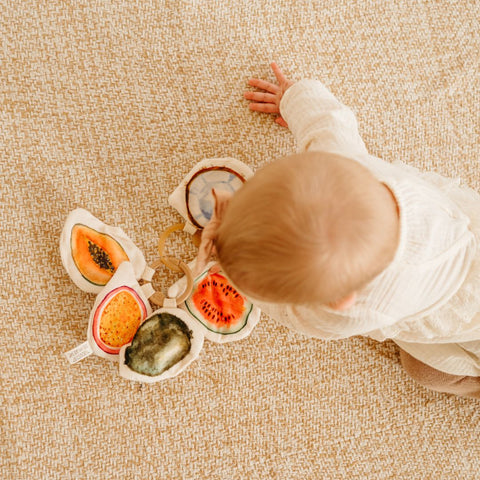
[{"x": 430, "y": 293}]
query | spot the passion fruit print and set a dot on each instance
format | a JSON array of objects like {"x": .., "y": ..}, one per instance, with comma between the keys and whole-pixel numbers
[{"x": 117, "y": 318}]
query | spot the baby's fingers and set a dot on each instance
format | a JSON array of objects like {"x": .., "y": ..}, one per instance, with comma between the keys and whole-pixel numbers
[
  {"x": 260, "y": 97},
  {"x": 263, "y": 85},
  {"x": 278, "y": 73},
  {"x": 264, "y": 107}
]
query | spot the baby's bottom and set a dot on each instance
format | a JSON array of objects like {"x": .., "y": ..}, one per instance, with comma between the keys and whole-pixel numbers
[{"x": 439, "y": 381}]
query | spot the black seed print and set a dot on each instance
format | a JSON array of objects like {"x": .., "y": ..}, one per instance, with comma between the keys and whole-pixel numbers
[{"x": 100, "y": 257}]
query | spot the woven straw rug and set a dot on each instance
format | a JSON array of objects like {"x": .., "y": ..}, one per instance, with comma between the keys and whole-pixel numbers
[{"x": 106, "y": 105}]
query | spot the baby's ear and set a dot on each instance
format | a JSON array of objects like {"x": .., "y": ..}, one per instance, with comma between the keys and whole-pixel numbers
[{"x": 345, "y": 303}]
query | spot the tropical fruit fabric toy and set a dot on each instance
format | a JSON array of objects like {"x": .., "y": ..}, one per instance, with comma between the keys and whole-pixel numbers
[
  {"x": 148, "y": 347},
  {"x": 193, "y": 198},
  {"x": 224, "y": 313},
  {"x": 119, "y": 310},
  {"x": 152, "y": 346},
  {"x": 117, "y": 313},
  {"x": 91, "y": 251},
  {"x": 165, "y": 344}
]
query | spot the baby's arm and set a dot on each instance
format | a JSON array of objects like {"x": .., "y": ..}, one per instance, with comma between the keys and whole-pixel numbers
[
  {"x": 316, "y": 118},
  {"x": 319, "y": 121}
]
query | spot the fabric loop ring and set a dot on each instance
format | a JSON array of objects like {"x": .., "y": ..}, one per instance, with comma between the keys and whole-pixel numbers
[
  {"x": 161, "y": 246},
  {"x": 158, "y": 298}
]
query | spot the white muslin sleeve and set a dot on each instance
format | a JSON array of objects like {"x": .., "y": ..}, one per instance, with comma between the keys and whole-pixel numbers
[
  {"x": 426, "y": 300},
  {"x": 318, "y": 121},
  {"x": 322, "y": 322}
]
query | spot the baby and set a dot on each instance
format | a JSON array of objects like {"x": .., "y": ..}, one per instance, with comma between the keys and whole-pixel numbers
[
  {"x": 334, "y": 242},
  {"x": 312, "y": 228}
]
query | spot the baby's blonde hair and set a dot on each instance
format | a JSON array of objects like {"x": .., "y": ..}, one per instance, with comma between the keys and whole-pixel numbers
[{"x": 308, "y": 228}]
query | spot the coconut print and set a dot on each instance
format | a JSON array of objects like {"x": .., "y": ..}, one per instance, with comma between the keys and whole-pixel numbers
[{"x": 199, "y": 198}]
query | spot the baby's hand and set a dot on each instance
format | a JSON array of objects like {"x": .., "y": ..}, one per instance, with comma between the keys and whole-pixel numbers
[{"x": 269, "y": 102}]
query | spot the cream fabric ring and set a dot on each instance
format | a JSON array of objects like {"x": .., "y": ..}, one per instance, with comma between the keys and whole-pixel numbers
[
  {"x": 161, "y": 246},
  {"x": 158, "y": 298}
]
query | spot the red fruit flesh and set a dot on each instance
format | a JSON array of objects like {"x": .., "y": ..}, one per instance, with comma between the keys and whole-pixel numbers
[{"x": 219, "y": 303}]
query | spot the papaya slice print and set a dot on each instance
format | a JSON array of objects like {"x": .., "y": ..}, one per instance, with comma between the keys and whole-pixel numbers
[{"x": 96, "y": 255}]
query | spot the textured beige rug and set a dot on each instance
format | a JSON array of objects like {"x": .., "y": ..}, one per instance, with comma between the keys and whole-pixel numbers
[{"x": 106, "y": 105}]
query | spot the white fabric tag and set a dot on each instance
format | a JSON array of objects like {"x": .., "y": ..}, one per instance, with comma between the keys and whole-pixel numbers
[
  {"x": 78, "y": 353},
  {"x": 147, "y": 289},
  {"x": 170, "y": 303},
  {"x": 189, "y": 228},
  {"x": 148, "y": 274}
]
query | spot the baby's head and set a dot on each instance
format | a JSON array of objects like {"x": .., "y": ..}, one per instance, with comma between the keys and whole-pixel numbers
[{"x": 308, "y": 228}]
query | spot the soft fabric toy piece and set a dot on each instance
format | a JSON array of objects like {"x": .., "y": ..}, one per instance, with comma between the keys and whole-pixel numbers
[
  {"x": 119, "y": 310},
  {"x": 167, "y": 342},
  {"x": 102, "y": 259},
  {"x": 162, "y": 348},
  {"x": 193, "y": 198},
  {"x": 91, "y": 251},
  {"x": 224, "y": 314}
]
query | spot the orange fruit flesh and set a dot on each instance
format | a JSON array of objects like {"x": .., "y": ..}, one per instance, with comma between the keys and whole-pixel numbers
[{"x": 120, "y": 320}]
